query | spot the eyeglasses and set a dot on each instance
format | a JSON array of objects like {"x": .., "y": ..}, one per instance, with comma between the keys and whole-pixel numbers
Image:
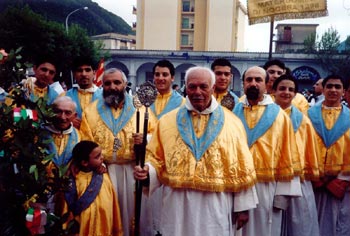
[
  {"x": 336, "y": 86},
  {"x": 219, "y": 73},
  {"x": 271, "y": 72}
]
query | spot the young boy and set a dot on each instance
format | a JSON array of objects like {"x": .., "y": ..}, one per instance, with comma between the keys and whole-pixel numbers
[{"x": 91, "y": 197}]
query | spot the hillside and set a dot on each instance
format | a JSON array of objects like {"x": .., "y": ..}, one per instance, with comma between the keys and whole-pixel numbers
[{"x": 95, "y": 20}]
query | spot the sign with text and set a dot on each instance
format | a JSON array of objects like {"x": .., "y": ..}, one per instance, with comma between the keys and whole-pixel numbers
[{"x": 260, "y": 11}]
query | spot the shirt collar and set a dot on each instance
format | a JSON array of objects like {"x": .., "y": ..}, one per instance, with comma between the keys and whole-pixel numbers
[{"x": 213, "y": 105}]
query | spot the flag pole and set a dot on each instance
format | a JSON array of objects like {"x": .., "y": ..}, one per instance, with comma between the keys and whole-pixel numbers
[{"x": 271, "y": 36}]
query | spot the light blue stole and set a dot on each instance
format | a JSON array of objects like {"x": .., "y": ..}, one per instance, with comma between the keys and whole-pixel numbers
[
  {"x": 116, "y": 125},
  {"x": 65, "y": 157},
  {"x": 73, "y": 93},
  {"x": 198, "y": 146},
  {"x": 296, "y": 116},
  {"x": 329, "y": 136},
  {"x": 174, "y": 102},
  {"x": 265, "y": 122}
]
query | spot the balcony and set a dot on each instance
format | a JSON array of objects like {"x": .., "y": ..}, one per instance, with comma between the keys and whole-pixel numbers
[{"x": 134, "y": 10}]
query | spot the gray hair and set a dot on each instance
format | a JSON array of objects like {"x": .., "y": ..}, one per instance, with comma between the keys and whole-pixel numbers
[
  {"x": 200, "y": 68},
  {"x": 65, "y": 99},
  {"x": 113, "y": 70}
]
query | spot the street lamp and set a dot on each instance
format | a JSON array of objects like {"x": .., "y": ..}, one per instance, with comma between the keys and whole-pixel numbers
[{"x": 82, "y": 8}]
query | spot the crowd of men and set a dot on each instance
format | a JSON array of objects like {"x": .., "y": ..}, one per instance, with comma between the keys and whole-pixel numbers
[{"x": 267, "y": 163}]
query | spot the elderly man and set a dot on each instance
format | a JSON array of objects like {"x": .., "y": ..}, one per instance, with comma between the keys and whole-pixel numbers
[
  {"x": 272, "y": 144},
  {"x": 64, "y": 135},
  {"x": 331, "y": 121},
  {"x": 275, "y": 68},
  {"x": 110, "y": 121},
  {"x": 222, "y": 69},
  {"x": 199, "y": 154},
  {"x": 85, "y": 91}
]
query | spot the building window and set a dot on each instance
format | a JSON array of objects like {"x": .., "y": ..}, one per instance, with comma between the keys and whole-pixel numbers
[
  {"x": 186, "y": 6},
  {"x": 185, "y": 23},
  {"x": 184, "y": 39}
]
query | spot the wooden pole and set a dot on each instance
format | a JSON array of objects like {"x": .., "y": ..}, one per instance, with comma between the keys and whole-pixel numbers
[{"x": 271, "y": 37}]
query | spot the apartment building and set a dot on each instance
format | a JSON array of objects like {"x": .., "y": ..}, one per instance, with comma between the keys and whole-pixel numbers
[{"x": 191, "y": 25}]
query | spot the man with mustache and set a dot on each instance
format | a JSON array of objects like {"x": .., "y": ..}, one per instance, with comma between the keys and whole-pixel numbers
[
  {"x": 272, "y": 144},
  {"x": 85, "y": 91},
  {"x": 110, "y": 121},
  {"x": 199, "y": 154},
  {"x": 331, "y": 121}
]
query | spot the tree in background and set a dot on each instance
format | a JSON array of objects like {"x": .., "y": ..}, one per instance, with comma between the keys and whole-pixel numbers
[
  {"x": 21, "y": 27},
  {"x": 333, "y": 58}
]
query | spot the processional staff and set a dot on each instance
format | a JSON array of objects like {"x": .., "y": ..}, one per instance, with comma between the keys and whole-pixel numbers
[{"x": 146, "y": 95}]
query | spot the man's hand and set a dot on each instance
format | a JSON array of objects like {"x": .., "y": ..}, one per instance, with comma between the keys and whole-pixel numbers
[
  {"x": 141, "y": 174},
  {"x": 138, "y": 138},
  {"x": 240, "y": 219},
  {"x": 76, "y": 123}
]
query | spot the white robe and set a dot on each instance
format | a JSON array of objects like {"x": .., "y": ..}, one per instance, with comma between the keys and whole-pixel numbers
[{"x": 188, "y": 212}]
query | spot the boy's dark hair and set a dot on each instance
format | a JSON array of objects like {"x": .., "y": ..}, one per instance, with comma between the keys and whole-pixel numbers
[
  {"x": 286, "y": 77},
  {"x": 165, "y": 63},
  {"x": 80, "y": 61},
  {"x": 325, "y": 80},
  {"x": 45, "y": 59},
  {"x": 274, "y": 62},
  {"x": 82, "y": 150},
  {"x": 221, "y": 62}
]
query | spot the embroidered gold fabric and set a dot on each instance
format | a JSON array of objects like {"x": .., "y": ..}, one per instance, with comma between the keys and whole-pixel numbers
[
  {"x": 226, "y": 165},
  {"x": 308, "y": 153},
  {"x": 93, "y": 128},
  {"x": 273, "y": 151}
]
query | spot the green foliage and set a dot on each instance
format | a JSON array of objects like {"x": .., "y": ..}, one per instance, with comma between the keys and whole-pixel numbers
[
  {"x": 95, "y": 20},
  {"x": 327, "y": 52},
  {"x": 310, "y": 43},
  {"x": 329, "y": 41},
  {"x": 24, "y": 155},
  {"x": 21, "y": 27}
]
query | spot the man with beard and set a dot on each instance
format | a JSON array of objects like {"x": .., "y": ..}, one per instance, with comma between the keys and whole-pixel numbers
[
  {"x": 331, "y": 121},
  {"x": 199, "y": 154},
  {"x": 272, "y": 144},
  {"x": 85, "y": 91},
  {"x": 110, "y": 121}
]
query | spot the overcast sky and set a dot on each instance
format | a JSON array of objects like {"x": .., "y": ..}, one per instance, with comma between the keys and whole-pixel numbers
[{"x": 338, "y": 18}]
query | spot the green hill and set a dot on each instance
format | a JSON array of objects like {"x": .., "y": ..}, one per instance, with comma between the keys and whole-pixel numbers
[{"x": 95, "y": 20}]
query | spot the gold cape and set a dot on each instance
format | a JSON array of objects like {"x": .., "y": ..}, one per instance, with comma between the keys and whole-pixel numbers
[
  {"x": 226, "y": 166},
  {"x": 93, "y": 128},
  {"x": 274, "y": 153},
  {"x": 336, "y": 158},
  {"x": 102, "y": 217},
  {"x": 306, "y": 145}
]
